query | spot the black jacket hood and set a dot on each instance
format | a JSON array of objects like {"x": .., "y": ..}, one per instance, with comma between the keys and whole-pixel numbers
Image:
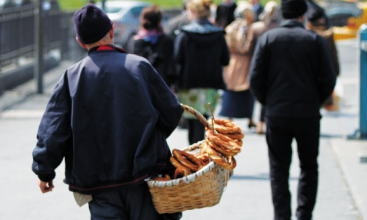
[{"x": 203, "y": 33}]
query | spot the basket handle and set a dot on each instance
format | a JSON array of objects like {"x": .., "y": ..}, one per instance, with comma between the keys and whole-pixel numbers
[{"x": 197, "y": 114}]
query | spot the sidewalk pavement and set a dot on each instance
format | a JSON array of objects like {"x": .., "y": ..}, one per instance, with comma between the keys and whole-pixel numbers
[{"x": 342, "y": 189}]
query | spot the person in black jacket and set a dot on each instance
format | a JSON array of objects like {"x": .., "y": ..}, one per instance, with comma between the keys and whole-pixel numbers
[
  {"x": 109, "y": 117},
  {"x": 152, "y": 44},
  {"x": 225, "y": 13},
  {"x": 202, "y": 52},
  {"x": 258, "y": 9},
  {"x": 292, "y": 75}
]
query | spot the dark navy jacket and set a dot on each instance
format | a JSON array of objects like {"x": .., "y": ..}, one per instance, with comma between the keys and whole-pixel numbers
[
  {"x": 109, "y": 117},
  {"x": 291, "y": 71}
]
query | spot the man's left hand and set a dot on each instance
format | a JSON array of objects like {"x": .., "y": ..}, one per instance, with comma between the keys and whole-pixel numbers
[{"x": 45, "y": 186}]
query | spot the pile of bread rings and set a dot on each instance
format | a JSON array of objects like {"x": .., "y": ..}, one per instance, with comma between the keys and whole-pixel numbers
[{"x": 220, "y": 146}]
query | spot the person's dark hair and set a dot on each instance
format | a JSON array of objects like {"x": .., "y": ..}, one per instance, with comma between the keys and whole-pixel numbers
[{"x": 151, "y": 18}]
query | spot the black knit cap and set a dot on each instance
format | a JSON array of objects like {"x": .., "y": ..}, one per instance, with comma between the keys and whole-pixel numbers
[
  {"x": 293, "y": 8},
  {"x": 91, "y": 24}
]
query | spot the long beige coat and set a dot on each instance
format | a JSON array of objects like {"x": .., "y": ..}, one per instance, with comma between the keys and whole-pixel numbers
[{"x": 236, "y": 74}]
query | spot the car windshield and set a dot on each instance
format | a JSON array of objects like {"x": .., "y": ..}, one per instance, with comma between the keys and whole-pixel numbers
[{"x": 113, "y": 9}]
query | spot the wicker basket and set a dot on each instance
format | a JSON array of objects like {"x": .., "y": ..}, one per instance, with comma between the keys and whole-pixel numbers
[{"x": 201, "y": 189}]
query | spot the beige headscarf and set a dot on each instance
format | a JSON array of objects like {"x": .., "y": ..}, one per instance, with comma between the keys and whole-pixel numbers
[
  {"x": 244, "y": 10},
  {"x": 270, "y": 13}
]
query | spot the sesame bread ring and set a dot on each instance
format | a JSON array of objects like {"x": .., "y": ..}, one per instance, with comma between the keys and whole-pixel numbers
[
  {"x": 181, "y": 172},
  {"x": 225, "y": 152},
  {"x": 204, "y": 158},
  {"x": 218, "y": 159},
  {"x": 232, "y": 161},
  {"x": 203, "y": 147},
  {"x": 202, "y": 150},
  {"x": 238, "y": 142},
  {"x": 188, "y": 160},
  {"x": 225, "y": 126},
  {"x": 176, "y": 163},
  {"x": 223, "y": 141},
  {"x": 238, "y": 136}
]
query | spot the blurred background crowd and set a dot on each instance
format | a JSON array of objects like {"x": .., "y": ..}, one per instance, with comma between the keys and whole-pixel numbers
[{"x": 201, "y": 48}]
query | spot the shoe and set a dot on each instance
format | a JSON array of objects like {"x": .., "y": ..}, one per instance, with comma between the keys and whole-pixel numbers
[
  {"x": 260, "y": 132},
  {"x": 251, "y": 125}
]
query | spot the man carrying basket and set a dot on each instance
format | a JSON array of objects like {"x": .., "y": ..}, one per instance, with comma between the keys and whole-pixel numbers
[{"x": 109, "y": 117}]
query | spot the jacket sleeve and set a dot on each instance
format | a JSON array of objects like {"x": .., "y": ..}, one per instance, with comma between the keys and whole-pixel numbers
[
  {"x": 166, "y": 103},
  {"x": 326, "y": 77},
  {"x": 54, "y": 134},
  {"x": 225, "y": 55},
  {"x": 258, "y": 70}
]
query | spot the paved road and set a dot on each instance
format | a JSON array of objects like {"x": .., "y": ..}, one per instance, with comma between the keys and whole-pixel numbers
[{"x": 246, "y": 197}]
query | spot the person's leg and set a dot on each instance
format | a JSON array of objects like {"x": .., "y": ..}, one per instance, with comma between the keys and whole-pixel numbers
[
  {"x": 191, "y": 128},
  {"x": 279, "y": 139},
  {"x": 251, "y": 106},
  {"x": 196, "y": 130},
  {"x": 260, "y": 125},
  {"x": 307, "y": 137},
  {"x": 139, "y": 204},
  {"x": 108, "y": 206}
]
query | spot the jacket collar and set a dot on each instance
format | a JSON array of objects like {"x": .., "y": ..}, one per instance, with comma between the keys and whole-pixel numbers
[
  {"x": 106, "y": 47},
  {"x": 292, "y": 23}
]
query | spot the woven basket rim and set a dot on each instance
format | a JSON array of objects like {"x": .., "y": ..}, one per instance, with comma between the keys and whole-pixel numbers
[{"x": 186, "y": 179}]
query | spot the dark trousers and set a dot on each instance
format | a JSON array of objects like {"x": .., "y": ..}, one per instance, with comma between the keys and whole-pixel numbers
[
  {"x": 262, "y": 113},
  {"x": 279, "y": 135},
  {"x": 129, "y": 204},
  {"x": 196, "y": 130}
]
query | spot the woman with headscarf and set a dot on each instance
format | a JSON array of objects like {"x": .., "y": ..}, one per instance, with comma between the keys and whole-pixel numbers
[
  {"x": 317, "y": 22},
  {"x": 152, "y": 44},
  {"x": 269, "y": 19},
  {"x": 201, "y": 50},
  {"x": 238, "y": 101}
]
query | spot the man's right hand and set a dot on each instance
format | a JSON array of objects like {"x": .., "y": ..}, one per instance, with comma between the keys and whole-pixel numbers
[{"x": 45, "y": 186}]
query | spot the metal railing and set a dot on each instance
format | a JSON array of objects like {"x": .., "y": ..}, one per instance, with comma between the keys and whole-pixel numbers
[
  {"x": 17, "y": 39},
  {"x": 17, "y": 34}
]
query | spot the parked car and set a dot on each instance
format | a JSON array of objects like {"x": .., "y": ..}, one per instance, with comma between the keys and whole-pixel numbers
[
  {"x": 14, "y": 3},
  {"x": 125, "y": 16},
  {"x": 346, "y": 17}
]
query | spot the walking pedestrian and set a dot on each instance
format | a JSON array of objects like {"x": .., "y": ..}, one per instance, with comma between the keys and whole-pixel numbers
[
  {"x": 224, "y": 15},
  {"x": 153, "y": 44},
  {"x": 292, "y": 75},
  {"x": 258, "y": 9},
  {"x": 109, "y": 117},
  {"x": 316, "y": 22},
  {"x": 175, "y": 24},
  {"x": 269, "y": 20},
  {"x": 202, "y": 52},
  {"x": 312, "y": 7},
  {"x": 238, "y": 101}
]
